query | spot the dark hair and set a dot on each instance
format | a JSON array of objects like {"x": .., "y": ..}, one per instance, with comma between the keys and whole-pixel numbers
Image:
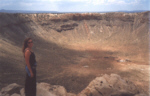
[{"x": 25, "y": 44}]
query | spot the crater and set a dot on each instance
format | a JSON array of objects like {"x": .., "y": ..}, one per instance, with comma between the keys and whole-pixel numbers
[{"x": 65, "y": 43}]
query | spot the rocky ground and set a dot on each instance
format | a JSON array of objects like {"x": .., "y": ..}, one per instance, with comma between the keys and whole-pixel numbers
[
  {"x": 107, "y": 85},
  {"x": 74, "y": 49}
]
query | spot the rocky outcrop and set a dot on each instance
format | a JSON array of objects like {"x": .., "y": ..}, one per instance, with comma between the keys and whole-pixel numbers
[
  {"x": 79, "y": 27},
  {"x": 43, "y": 89},
  {"x": 11, "y": 90},
  {"x": 66, "y": 27},
  {"x": 55, "y": 33},
  {"x": 107, "y": 85},
  {"x": 110, "y": 85}
]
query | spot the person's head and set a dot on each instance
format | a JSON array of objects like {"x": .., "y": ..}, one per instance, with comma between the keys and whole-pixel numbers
[{"x": 27, "y": 43}]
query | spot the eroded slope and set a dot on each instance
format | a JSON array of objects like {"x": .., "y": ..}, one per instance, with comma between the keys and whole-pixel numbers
[{"x": 73, "y": 49}]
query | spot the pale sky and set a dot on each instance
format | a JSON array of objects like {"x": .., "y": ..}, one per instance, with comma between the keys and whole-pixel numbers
[{"x": 75, "y": 5}]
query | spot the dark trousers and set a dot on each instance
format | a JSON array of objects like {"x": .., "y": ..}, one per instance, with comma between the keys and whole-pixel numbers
[{"x": 30, "y": 84}]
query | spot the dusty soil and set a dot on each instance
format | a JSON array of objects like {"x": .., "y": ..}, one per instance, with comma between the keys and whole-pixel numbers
[
  {"x": 75, "y": 66},
  {"x": 90, "y": 61},
  {"x": 73, "y": 49},
  {"x": 99, "y": 61}
]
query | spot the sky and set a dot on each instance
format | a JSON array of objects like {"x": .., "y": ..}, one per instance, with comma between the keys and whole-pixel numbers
[{"x": 75, "y": 5}]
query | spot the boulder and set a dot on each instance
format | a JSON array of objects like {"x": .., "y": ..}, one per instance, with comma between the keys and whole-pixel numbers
[
  {"x": 110, "y": 85},
  {"x": 107, "y": 85},
  {"x": 45, "y": 89},
  {"x": 22, "y": 92},
  {"x": 11, "y": 89}
]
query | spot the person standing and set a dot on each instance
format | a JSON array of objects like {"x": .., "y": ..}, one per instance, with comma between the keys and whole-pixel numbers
[{"x": 30, "y": 81}]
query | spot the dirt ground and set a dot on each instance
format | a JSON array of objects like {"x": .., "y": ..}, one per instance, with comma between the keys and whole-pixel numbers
[
  {"x": 75, "y": 69},
  {"x": 96, "y": 61},
  {"x": 66, "y": 56}
]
